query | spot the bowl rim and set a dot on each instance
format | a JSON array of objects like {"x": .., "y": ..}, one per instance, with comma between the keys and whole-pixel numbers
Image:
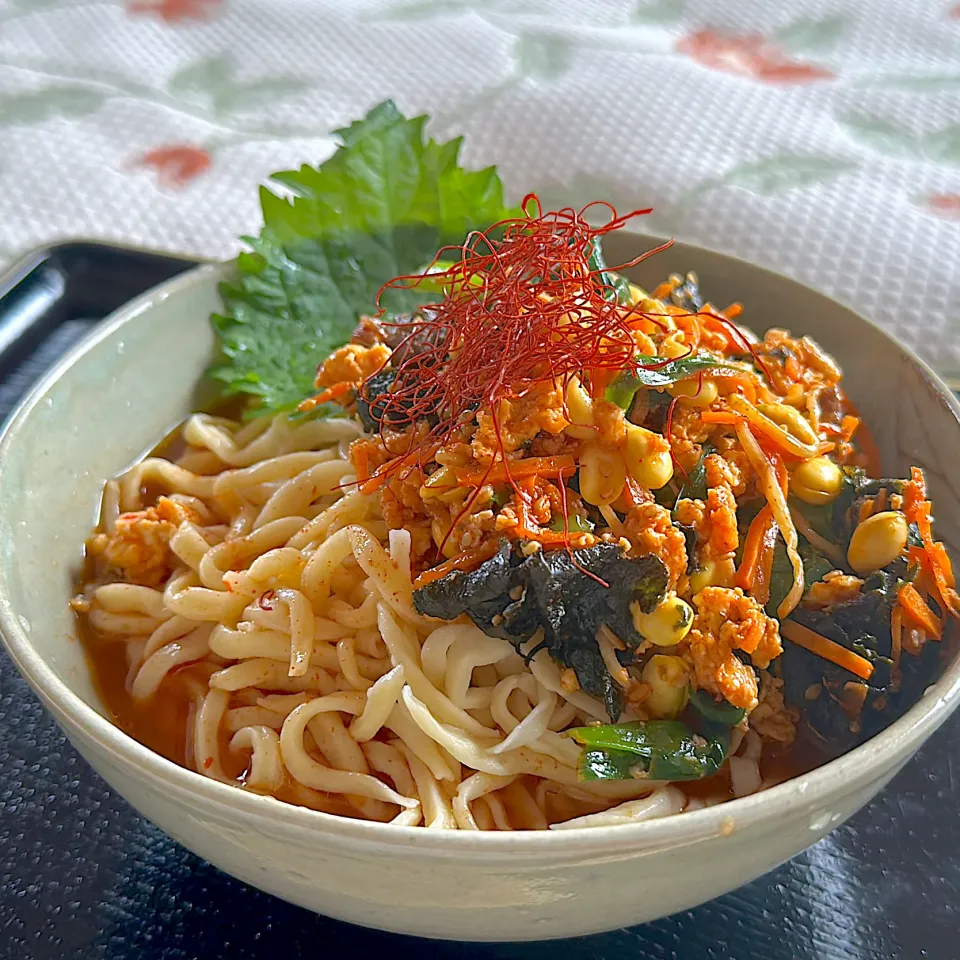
[{"x": 896, "y": 743}]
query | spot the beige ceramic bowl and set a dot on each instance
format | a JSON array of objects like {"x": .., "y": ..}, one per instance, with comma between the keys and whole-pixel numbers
[{"x": 112, "y": 398}]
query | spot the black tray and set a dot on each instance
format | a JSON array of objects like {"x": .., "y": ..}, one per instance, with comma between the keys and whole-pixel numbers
[{"x": 82, "y": 876}]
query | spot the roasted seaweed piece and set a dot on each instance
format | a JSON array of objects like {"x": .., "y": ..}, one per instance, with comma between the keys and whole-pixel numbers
[
  {"x": 690, "y": 540},
  {"x": 512, "y": 596},
  {"x": 494, "y": 596},
  {"x": 694, "y": 486},
  {"x": 407, "y": 335},
  {"x": 370, "y": 404},
  {"x": 650, "y": 409}
]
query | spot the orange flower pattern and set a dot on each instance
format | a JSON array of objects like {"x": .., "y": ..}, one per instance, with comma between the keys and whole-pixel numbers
[
  {"x": 749, "y": 55},
  {"x": 175, "y": 11},
  {"x": 945, "y": 205},
  {"x": 176, "y": 164}
]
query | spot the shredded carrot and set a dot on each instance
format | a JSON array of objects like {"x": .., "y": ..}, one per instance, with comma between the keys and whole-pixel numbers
[
  {"x": 914, "y": 491},
  {"x": 332, "y": 393},
  {"x": 547, "y": 467},
  {"x": 720, "y": 416},
  {"x": 361, "y": 460},
  {"x": 805, "y": 637},
  {"x": 761, "y": 538},
  {"x": 663, "y": 290},
  {"x": 917, "y": 610},
  {"x": 376, "y": 481},
  {"x": 916, "y": 508},
  {"x": 527, "y": 528},
  {"x": 848, "y": 427},
  {"x": 742, "y": 380},
  {"x": 467, "y": 561}
]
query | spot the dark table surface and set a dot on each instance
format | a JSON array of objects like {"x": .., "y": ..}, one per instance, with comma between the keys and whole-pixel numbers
[{"x": 83, "y": 877}]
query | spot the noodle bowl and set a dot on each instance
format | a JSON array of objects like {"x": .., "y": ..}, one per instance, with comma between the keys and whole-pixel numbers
[{"x": 455, "y": 884}]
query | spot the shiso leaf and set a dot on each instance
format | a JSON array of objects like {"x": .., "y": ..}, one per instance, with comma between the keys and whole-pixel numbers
[{"x": 382, "y": 206}]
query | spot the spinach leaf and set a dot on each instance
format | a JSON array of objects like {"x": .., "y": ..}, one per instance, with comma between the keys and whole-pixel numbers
[
  {"x": 609, "y": 765},
  {"x": 575, "y": 524},
  {"x": 819, "y": 517},
  {"x": 615, "y": 287},
  {"x": 815, "y": 566},
  {"x": 628, "y": 382},
  {"x": 658, "y": 749},
  {"x": 695, "y": 486},
  {"x": 723, "y": 713}
]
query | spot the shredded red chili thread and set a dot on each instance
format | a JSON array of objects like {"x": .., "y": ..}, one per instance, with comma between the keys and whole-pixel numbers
[
  {"x": 523, "y": 306},
  {"x": 668, "y": 433},
  {"x": 266, "y": 600}
]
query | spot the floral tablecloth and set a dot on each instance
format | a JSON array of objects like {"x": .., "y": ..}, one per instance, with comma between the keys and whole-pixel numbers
[{"x": 820, "y": 137}]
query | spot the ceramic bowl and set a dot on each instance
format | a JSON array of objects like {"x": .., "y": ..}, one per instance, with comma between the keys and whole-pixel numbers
[{"x": 124, "y": 387}]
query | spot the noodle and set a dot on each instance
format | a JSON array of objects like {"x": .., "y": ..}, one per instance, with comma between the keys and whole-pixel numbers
[{"x": 289, "y": 610}]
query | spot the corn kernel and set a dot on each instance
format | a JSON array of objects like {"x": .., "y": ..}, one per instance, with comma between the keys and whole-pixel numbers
[
  {"x": 579, "y": 404},
  {"x": 692, "y": 393},
  {"x": 648, "y": 457},
  {"x": 602, "y": 474}
]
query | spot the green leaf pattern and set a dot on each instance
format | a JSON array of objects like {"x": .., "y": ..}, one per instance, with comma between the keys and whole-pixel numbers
[
  {"x": 808, "y": 36},
  {"x": 57, "y": 100},
  {"x": 542, "y": 56},
  {"x": 768, "y": 177},
  {"x": 657, "y": 12},
  {"x": 772, "y": 176},
  {"x": 911, "y": 82},
  {"x": 213, "y": 82},
  {"x": 940, "y": 146}
]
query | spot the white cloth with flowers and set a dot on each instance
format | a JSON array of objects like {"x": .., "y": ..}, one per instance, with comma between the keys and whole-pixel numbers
[{"x": 818, "y": 137}]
